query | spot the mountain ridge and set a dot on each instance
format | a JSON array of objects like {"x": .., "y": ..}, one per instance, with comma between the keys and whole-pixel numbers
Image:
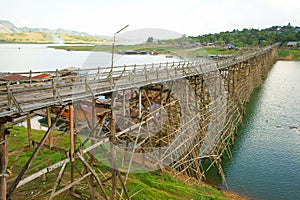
[{"x": 8, "y": 27}]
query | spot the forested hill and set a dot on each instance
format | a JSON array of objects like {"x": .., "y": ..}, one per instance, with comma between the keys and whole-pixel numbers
[
  {"x": 251, "y": 37},
  {"x": 9, "y": 33}
]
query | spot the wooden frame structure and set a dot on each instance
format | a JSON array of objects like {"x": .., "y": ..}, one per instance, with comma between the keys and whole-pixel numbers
[{"x": 160, "y": 116}]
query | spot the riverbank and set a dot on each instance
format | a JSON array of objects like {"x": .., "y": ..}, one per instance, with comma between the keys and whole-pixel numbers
[
  {"x": 289, "y": 54},
  {"x": 120, "y": 48},
  {"x": 151, "y": 185},
  {"x": 283, "y": 53},
  {"x": 153, "y": 49}
]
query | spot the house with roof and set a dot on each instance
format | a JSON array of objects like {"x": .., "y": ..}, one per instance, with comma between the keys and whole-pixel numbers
[
  {"x": 229, "y": 46},
  {"x": 297, "y": 29},
  {"x": 292, "y": 44},
  {"x": 42, "y": 77},
  {"x": 14, "y": 78}
]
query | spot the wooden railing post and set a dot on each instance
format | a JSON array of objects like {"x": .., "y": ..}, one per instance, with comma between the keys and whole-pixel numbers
[
  {"x": 9, "y": 95},
  {"x": 30, "y": 78}
]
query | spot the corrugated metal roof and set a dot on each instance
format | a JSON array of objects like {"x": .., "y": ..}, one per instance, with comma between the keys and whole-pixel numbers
[
  {"x": 13, "y": 77},
  {"x": 292, "y": 44},
  {"x": 41, "y": 76}
]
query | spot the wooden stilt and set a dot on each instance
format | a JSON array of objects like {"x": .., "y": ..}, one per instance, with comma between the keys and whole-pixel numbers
[
  {"x": 140, "y": 103},
  {"x": 49, "y": 125},
  {"x": 72, "y": 146},
  {"x": 29, "y": 132},
  {"x": 3, "y": 158},
  {"x": 112, "y": 149}
]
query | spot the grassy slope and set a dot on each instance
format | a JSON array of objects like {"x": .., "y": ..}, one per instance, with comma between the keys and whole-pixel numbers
[
  {"x": 153, "y": 186},
  {"x": 289, "y": 54},
  {"x": 150, "y": 185},
  {"x": 78, "y": 39}
]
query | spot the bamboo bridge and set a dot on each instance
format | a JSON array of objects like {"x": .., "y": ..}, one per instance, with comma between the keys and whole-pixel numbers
[{"x": 179, "y": 116}]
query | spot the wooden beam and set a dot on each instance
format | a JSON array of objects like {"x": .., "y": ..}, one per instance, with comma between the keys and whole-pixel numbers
[
  {"x": 61, "y": 172},
  {"x": 71, "y": 184}
]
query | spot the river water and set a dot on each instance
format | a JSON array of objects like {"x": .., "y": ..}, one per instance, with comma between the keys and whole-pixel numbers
[
  {"x": 37, "y": 57},
  {"x": 266, "y": 155}
]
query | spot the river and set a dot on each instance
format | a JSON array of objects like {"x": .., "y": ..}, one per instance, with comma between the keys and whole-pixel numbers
[
  {"x": 266, "y": 155},
  {"x": 37, "y": 57}
]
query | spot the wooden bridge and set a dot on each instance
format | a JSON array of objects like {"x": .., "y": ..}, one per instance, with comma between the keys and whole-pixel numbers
[{"x": 179, "y": 116}]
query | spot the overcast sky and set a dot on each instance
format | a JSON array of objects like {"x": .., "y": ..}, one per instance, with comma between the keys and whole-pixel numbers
[{"x": 190, "y": 17}]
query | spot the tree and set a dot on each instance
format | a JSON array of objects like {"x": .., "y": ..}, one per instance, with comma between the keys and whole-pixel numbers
[
  {"x": 298, "y": 35},
  {"x": 150, "y": 40}
]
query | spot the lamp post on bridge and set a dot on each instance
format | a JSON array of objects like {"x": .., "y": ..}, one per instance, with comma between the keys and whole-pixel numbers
[{"x": 113, "y": 50}]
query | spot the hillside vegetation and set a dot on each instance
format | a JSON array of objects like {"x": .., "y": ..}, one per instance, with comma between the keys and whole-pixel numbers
[
  {"x": 9, "y": 33},
  {"x": 26, "y": 37},
  {"x": 251, "y": 37},
  {"x": 80, "y": 39}
]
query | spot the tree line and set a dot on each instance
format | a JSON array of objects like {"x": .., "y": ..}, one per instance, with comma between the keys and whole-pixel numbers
[{"x": 251, "y": 37}]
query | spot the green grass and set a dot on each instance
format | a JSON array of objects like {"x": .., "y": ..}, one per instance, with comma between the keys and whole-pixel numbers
[
  {"x": 219, "y": 51},
  {"x": 283, "y": 53},
  {"x": 80, "y": 39},
  {"x": 151, "y": 185}
]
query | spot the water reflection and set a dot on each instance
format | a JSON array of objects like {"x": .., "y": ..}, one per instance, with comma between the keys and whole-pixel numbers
[{"x": 266, "y": 159}]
